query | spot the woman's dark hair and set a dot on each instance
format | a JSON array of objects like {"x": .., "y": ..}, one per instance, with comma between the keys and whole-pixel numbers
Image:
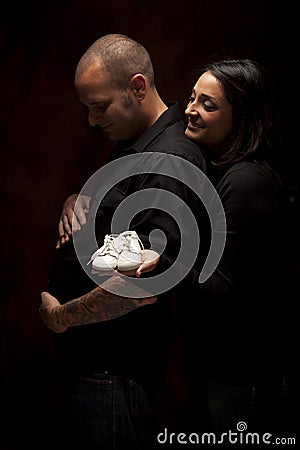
[{"x": 249, "y": 91}]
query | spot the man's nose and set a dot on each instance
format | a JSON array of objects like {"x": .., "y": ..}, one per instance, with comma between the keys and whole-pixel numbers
[{"x": 92, "y": 119}]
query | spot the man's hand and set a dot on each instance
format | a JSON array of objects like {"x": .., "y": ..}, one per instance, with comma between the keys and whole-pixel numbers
[
  {"x": 49, "y": 313},
  {"x": 72, "y": 217}
]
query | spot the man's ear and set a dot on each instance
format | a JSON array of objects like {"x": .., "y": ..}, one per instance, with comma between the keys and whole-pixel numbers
[{"x": 138, "y": 84}]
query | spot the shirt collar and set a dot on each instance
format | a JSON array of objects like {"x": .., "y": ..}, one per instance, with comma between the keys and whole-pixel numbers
[{"x": 165, "y": 120}]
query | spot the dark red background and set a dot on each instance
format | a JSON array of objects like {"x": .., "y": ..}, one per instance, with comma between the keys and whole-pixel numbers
[{"x": 48, "y": 150}]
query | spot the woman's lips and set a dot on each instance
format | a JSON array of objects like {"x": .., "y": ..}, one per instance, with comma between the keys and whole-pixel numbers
[{"x": 193, "y": 125}]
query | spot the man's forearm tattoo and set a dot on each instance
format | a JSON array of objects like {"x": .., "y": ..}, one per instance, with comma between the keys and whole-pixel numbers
[{"x": 100, "y": 305}]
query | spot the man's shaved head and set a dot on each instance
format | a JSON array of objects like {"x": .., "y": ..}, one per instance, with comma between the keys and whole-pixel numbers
[{"x": 120, "y": 57}]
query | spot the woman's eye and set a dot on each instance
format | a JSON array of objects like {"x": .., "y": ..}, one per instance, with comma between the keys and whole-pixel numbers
[{"x": 209, "y": 106}]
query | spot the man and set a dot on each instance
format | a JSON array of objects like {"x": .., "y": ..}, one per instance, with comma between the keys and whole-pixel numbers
[{"x": 112, "y": 368}]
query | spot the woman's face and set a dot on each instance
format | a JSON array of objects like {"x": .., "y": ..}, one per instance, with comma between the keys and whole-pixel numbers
[{"x": 209, "y": 113}]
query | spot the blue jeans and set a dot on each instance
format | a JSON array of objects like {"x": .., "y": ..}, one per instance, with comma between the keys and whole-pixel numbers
[
  {"x": 260, "y": 406},
  {"x": 106, "y": 412}
]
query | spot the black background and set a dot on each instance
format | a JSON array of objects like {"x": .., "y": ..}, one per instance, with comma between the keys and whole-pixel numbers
[{"x": 48, "y": 150}]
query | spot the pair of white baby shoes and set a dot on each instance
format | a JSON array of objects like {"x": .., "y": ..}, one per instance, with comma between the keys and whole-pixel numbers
[{"x": 120, "y": 251}]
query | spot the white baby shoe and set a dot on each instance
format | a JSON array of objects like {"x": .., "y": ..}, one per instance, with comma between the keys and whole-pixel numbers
[{"x": 120, "y": 251}]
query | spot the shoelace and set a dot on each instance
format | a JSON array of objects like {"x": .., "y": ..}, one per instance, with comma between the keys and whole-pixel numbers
[
  {"x": 108, "y": 248},
  {"x": 126, "y": 242}
]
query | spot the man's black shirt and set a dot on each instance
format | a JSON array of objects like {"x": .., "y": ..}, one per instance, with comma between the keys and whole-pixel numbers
[{"x": 134, "y": 345}]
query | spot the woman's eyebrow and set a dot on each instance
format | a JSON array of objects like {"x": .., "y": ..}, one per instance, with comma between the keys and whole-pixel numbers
[{"x": 208, "y": 96}]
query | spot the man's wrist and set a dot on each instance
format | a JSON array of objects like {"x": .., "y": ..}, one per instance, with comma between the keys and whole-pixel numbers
[{"x": 59, "y": 314}]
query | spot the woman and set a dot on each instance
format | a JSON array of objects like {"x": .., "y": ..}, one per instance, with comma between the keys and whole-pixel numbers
[
  {"x": 229, "y": 323},
  {"x": 233, "y": 329}
]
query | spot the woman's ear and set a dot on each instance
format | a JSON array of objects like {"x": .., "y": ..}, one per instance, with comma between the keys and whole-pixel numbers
[{"x": 138, "y": 84}]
